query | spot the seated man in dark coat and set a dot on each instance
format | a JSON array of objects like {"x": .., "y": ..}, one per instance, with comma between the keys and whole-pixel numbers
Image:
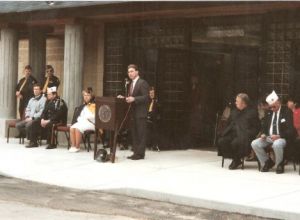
[{"x": 241, "y": 129}]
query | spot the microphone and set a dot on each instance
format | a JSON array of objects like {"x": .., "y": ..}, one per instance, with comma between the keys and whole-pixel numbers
[{"x": 127, "y": 82}]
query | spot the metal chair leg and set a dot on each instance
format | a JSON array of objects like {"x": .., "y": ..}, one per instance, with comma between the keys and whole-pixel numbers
[
  {"x": 8, "y": 128},
  {"x": 222, "y": 161},
  {"x": 243, "y": 163},
  {"x": 68, "y": 139},
  {"x": 89, "y": 142}
]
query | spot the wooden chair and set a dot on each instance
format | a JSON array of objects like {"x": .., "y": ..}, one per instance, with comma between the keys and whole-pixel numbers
[
  {"x": 66, "y": 129},
  {"x": 12, "y": 124},
  {"x": 60, "y": 128},
  {"x": 223, "y": 159},
  {"x": 86, "y": 138}
]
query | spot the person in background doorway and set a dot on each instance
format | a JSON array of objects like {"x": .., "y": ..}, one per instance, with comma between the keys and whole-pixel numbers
[{"x": 152, "y": 120}]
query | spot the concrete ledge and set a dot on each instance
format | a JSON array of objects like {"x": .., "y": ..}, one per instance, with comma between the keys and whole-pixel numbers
[{"x": 209, "y": 204}]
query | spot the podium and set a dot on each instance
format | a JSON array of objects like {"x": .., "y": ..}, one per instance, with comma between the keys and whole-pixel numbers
[{"x": 110, "y": 115}]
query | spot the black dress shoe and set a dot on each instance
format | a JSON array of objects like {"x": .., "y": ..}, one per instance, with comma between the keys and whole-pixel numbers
[
  {"x": 137, "y": 157},
  {"x": 235, "y": 164},
  {"x": 51, "y": 146},
  {"x": 268, "y": 165},
  {"x": 280, "y": 168},
  {"x": 129, "y": 157},
  {"x": 32, "y": 144},
  {"x": 20, "y": 136}
]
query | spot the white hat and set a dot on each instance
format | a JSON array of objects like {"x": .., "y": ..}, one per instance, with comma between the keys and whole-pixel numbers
[
  {"x": 272, "y": 98},
  {"x": 51, "y": 89}
]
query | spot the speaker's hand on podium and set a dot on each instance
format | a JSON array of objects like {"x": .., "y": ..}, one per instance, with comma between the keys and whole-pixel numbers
[
  {"x": 130, "y": 99},
  {"x": 120, "y": 97}
]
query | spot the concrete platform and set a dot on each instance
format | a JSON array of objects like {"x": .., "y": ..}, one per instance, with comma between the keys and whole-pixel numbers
[{"x": 188, "y": 177}]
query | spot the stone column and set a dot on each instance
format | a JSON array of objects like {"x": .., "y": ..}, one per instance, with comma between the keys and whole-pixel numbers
[
  {"x": 8, "y": 76},
  {"x": 37, "y": 53},
  {"x": 73, "y": 67}
]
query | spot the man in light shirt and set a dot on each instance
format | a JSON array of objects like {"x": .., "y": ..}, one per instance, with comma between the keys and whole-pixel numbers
[{"x": 33, "y": 113}]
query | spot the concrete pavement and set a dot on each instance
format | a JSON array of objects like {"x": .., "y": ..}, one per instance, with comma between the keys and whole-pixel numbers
[{"x": 188, "y": 177}]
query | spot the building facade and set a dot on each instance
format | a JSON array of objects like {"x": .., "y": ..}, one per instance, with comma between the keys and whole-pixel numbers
[{"x": 221, "y": 48}]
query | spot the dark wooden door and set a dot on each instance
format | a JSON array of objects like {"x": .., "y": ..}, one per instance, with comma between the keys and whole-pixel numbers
[
  {"x": 173, "y": 79},
  {"x": 247, "y": 71}
]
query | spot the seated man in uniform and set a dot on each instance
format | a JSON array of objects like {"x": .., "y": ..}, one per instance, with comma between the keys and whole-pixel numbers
[
  {"x": 243, "y": 125},
  {"x": 276, "y": 132},
  {"x": 33, "y": 113}
]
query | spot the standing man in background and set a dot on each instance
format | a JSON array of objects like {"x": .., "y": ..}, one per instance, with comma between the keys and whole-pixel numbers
[
  {"x": 24, "y": 89},
  {"x": 50, "y": 79}
]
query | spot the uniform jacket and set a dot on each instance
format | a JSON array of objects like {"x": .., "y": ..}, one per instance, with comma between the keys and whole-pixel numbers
[
  {"x": 56, "y": 111},
  {"x": 53, "y": 81},
  {"x": 140, "y": 93}
]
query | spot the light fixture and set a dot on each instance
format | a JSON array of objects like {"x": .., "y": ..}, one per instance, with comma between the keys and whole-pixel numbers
[{"x": 50, "y": 3}]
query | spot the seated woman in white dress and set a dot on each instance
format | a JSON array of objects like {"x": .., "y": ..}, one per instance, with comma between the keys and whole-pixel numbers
[{"x": 83, "y": 120}]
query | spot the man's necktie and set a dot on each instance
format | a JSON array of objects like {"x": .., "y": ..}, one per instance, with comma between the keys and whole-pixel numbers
[
  {"x": 131, "y": 89},
  {"x": 275, "y": 124}
]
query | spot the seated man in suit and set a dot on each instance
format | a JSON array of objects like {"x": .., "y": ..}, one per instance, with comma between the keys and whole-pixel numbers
[
  {"x": 242, "y": 126},
  {"x": 276, "y": 131}
]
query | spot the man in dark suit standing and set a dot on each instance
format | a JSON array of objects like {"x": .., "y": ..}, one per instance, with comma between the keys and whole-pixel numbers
[
  {"x": 138, "y": 98},
  {"x": 277, "y": 132}
]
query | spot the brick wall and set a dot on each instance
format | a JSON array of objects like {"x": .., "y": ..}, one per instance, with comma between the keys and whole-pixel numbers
[
  {"x": 55, "y": 57},
  {"x": 23, "y": 56},
  {"x": 93, "y": 59}
]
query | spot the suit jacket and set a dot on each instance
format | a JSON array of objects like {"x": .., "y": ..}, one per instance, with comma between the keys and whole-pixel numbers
[
  {"x": 286, "y": 128},
  {"x": 139, "y": 108}
]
